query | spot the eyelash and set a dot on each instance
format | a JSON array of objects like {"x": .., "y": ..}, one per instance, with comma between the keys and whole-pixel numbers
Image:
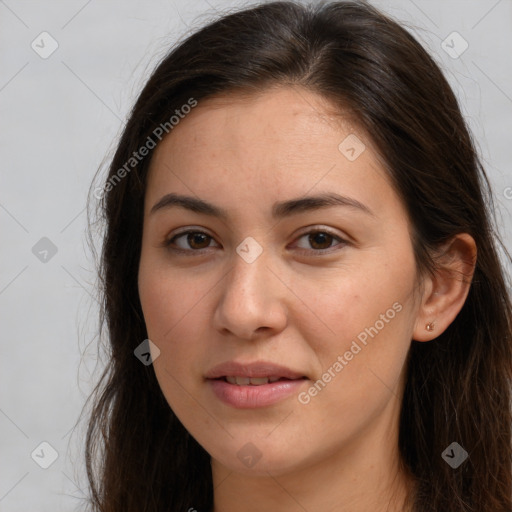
[{"x": 167, "y": 243}]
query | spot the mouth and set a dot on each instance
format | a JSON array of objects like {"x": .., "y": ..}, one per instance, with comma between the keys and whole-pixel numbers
[
  {"x": 254, "y": 384},
  {"x": 254, "y": 381},
  {"x": 237, "y": 371}
]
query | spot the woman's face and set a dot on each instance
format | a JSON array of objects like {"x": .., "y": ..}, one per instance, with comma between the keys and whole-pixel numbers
[{"x": 320, "y": 291}]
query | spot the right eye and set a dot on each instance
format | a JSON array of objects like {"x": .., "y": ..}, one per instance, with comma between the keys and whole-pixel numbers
[{"x": 193, "y": 238}]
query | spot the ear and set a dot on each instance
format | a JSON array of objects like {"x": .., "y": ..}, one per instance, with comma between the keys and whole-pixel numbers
[{"x": 445, "y": 293}]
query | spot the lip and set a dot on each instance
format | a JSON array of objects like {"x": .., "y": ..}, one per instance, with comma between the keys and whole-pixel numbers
[
  {"x": 250, "y": 396},
  {"x": 254, "y": 369}
]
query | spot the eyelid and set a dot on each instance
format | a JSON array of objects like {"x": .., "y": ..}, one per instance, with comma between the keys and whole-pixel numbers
[
  {"x": 320, "y": 229},
  {"x": 306, "y": 231},
  {"x": 191, "y": 229}
]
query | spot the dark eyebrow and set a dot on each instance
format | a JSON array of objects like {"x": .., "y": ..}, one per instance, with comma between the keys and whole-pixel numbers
[{"x": 279, "y": 210}]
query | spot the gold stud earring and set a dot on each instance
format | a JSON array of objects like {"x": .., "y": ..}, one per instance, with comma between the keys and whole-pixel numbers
[{"x": 430, "y": 326}]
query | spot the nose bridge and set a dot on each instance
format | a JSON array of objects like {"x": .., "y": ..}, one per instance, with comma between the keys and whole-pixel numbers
[
  {"x": 251, "y": 295},
  {"x": 250, "y": 264}
]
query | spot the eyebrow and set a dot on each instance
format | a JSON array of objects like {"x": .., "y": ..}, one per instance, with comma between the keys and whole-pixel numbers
[{"x": 279, "y": 210}]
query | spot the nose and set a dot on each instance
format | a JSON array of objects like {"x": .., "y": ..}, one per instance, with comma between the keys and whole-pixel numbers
[{"x": 253, "y": 300}]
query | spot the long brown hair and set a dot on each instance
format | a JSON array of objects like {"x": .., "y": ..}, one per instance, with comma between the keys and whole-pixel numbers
[{"x": 458, "y": 388}]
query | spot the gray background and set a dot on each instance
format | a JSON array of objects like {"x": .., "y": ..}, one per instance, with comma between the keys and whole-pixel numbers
[{"x": 60, "y": 117}]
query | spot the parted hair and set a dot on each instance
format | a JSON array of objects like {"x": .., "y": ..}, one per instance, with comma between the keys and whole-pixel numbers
[{"x": 139, "y": 457}]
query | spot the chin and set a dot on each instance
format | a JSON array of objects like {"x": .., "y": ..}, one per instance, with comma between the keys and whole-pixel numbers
[{"x": 258, "y": 458}]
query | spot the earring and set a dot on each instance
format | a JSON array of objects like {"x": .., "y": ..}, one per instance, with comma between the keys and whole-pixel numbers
[{"x": 430, "y": 326}]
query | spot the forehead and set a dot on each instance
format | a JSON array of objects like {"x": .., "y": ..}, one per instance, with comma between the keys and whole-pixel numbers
[
  {"x": 275, "y": 116},
  {"x": 281, "y": 142}
]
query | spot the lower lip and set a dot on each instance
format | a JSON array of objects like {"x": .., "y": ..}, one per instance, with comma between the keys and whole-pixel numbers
[{"x": 248, "y": 397}]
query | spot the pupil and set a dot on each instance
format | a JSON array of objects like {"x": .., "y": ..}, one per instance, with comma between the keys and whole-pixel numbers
[
  {"x": 323, "y": 236},
  {"x": 193, "y": 237}
]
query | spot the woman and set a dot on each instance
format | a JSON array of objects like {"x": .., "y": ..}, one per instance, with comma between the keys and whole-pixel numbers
[{"x": 254, "y": 366}]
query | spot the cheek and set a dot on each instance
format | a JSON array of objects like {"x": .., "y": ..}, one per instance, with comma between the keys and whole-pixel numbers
[
  {"x": 157, "y": 300},
  {"x": 367, "y": 299},
  {"x": 174, "y": 312},
  {"x": 366, "y": 326},
  {"x": 171, "y": 309},
  {"x": 167, "y": 298}
]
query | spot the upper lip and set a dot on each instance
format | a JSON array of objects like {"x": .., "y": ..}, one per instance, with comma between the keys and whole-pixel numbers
[{"x": 254, "y": 369}]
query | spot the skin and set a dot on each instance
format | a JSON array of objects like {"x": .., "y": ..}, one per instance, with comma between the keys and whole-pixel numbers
[{"x": 292, "y": 305}]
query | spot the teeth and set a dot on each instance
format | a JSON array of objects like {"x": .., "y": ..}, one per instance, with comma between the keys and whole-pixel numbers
[{"x": 254, "y": 381}]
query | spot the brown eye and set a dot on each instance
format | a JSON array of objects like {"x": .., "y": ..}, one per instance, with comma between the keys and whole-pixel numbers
[
  {"x": 198, "y": 239},
  {"x": 194, "y": 241},
  {"x": 321, "y": 240}
]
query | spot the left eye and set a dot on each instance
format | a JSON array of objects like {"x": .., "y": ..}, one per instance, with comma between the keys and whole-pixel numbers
[
  {"x": 198, "y": 240},
  {"x": 321, "y": 238}
]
